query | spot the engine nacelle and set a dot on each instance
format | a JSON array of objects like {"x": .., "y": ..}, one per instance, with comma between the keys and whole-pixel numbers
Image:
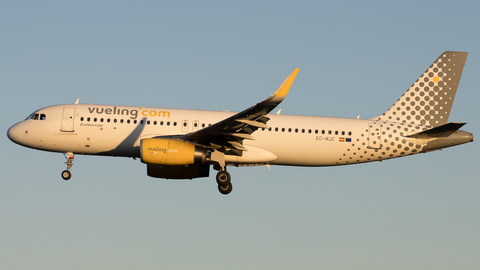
[{"x": 171, "y": 152}]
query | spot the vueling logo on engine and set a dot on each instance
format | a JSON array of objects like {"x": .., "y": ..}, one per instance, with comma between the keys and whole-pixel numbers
[
  {"x": 154, "y": 150},
  {"x": 133, "y": 113}
]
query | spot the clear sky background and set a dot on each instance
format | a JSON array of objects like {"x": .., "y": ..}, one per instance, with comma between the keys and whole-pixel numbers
[{"x": 356, "y": 58}]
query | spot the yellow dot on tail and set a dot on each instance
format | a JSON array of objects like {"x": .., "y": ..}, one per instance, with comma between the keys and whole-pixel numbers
[{"x": 436, "y": 79}]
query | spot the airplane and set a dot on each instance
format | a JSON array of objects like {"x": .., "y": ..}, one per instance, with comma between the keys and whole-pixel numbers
[{"x": 184, "y": 144}]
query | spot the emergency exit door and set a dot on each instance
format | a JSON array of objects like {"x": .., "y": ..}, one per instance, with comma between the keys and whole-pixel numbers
[{"x": 375, "y": 137}]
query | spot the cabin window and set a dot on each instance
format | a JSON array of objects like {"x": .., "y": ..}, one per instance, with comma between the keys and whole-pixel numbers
[
  {"x": 303, "y": 130},
  {"x": 115, "y": 120},
  {"x": 175, "y": 123},
  {"x": 296, "y": 130},
  {"x": 154, "y": 122},
  {"x": 81, "y": 118},
  {"x": 108, "y": 120},
  {"x": 101, "y": 120},
  {"x": 329, "y": 132},
  {"x": 88, "y": 119},
  {"x": 161, "y": 123},
  {"x": 289, "y": 130},
  {"x": 141, "y": 122},
  {"x": 316, "y": 131},
  {"x": 121, "y": 121},
  {"x": 168, "y": 123},
  {"x": 349, "y": 133},
  {"x": 276, "y": 129},
  {"x": 309, "y": 131},
  {"x": 343, "y": 132},
  {"x": 336, "y": 132},
  {"x": 128, "y": 121},
  {"x": 135, "y": 121}
]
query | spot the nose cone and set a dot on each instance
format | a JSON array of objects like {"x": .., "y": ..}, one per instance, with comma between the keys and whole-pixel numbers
[{"x": 12, "y": 133}]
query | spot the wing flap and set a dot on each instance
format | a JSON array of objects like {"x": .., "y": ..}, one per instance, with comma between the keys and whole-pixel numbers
[
  {"x": 253, "y": 123},
  {"x": 240, "y": 135}
]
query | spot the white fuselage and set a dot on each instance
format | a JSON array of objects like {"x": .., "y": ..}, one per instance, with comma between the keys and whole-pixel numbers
[{"x": 291, "y": 140}]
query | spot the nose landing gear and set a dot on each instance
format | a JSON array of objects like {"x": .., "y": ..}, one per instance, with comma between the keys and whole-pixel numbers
[{"x": 66, "y": 174}]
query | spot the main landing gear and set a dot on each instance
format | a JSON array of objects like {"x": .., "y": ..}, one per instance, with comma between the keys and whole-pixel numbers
[
  {"x": 66, "y": 175},
  {"x": 223, "y": 177},
  {"x": 224, "y": 182}
]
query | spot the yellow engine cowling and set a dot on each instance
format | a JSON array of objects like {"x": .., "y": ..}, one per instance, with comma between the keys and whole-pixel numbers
[{"x": 171, "y": 152}]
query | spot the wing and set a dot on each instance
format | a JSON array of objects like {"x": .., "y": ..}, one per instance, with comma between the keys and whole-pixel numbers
[{"x": 227, "y": 135}]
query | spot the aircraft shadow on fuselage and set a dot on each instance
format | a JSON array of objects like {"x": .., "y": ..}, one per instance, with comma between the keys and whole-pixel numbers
[{"x": 127, "y": 147}]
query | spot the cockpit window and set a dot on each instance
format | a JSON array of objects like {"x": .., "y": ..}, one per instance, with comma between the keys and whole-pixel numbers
[
  {"x": 37, "y": 116},
  {"x": 33, "y": 116}
]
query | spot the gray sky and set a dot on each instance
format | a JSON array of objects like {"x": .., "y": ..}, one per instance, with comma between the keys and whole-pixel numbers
[{"x": 356, "y": 58}]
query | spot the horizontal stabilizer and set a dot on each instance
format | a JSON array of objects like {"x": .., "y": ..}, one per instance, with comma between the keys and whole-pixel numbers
[{"x": 440, "y": 131}]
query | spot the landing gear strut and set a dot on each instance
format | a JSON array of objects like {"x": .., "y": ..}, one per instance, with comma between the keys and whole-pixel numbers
[
  {"x": 223, "y": 177},
  {"x": 66, "y": 174},
  {"x": 224, "y": 182}
]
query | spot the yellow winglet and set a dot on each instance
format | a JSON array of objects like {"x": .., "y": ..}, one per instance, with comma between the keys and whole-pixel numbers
[{"x": 283, "y": 89}]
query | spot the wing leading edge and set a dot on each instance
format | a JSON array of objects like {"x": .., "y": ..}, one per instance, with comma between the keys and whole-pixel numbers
[{"x": 227, "y": 135}]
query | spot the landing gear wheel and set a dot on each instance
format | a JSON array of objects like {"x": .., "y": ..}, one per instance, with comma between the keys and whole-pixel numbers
[
  {"x": 66, "y": 175},
  {"x": 223, "y": 178},
  {"x": 225, "y": 189}
]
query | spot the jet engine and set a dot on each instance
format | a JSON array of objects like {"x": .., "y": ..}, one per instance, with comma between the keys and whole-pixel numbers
[{"x": 171, "y": 152}]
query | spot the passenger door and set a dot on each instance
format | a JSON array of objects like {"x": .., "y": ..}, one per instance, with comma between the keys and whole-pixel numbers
[{"x": 68, "y": 119}]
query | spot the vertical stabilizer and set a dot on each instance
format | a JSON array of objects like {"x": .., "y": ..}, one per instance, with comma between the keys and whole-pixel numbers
[{"x": 429, "y": 100}]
